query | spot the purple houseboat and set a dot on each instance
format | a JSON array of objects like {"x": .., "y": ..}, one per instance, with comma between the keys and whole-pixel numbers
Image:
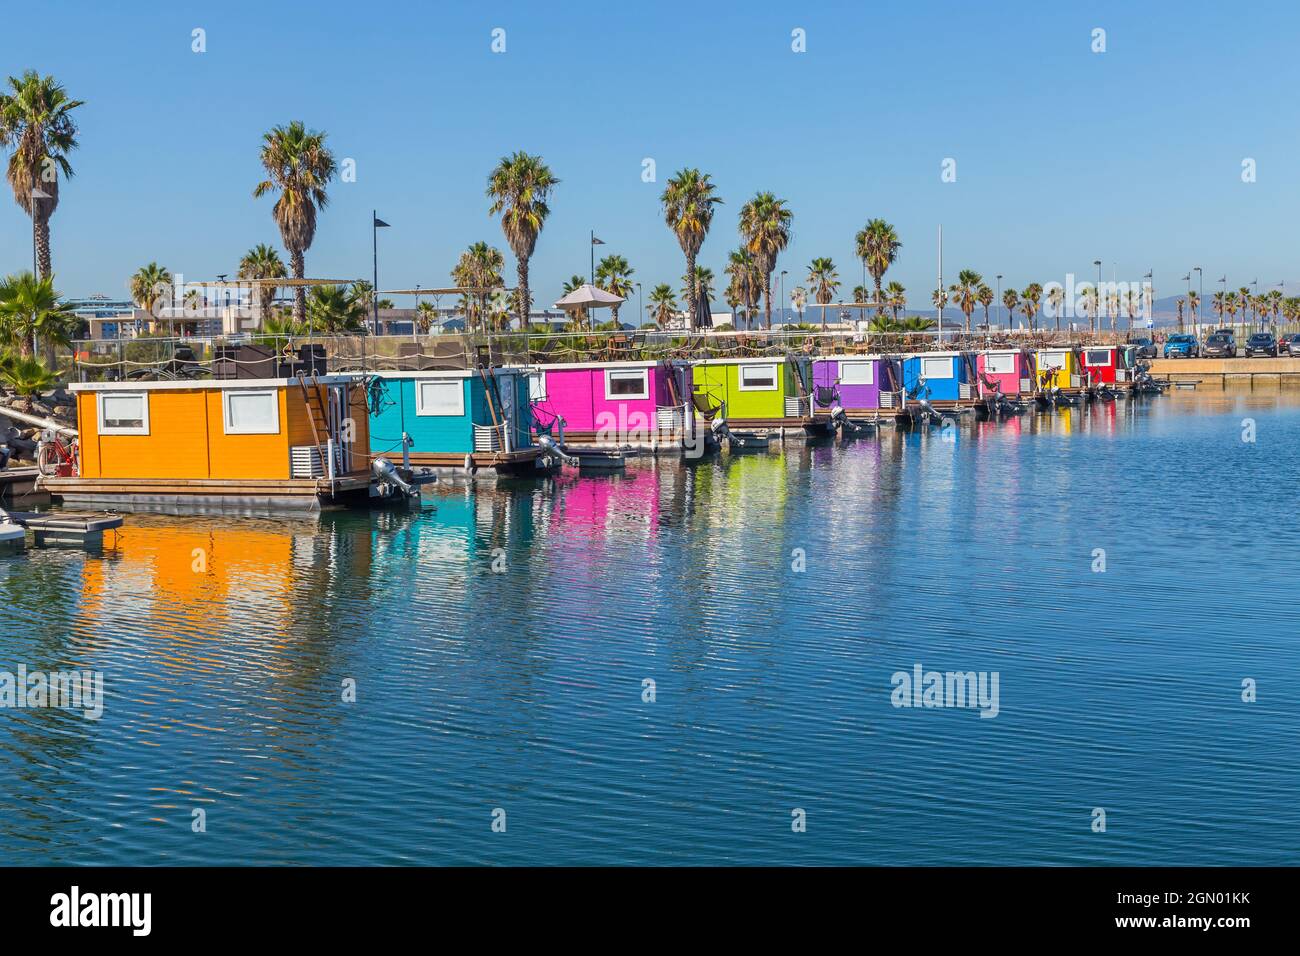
[{"x": 865, "y": 386}]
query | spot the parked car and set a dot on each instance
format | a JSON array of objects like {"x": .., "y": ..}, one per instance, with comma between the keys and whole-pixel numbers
[
  {"x": 1182, "y": 346},
  {"x": 1145, "y": 348},
  {"x": 1291, "y": 346},
  {"x": 1261, "y": 343},
  {"x": 1219, "y": 345}
]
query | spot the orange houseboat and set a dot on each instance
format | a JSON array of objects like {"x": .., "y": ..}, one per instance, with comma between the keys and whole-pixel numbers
[{"x": 220, "y": 444}]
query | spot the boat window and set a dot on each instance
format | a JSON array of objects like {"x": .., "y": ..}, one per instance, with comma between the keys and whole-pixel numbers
[
  {"x": 1052, "y": 359},
  {"x": 754, "y": 378},
  {"x": 626, "y": 383},
  {"x": 1000, "y": 364},
  {"x": 537, "y": 386},
  {"x": 857, "y": 373},
  {"x": 1097, "y": 357},
  {"x": 446, "y": 397},
  {"x": 252, "y": 413},
  {"x": 123, "y": 413},
  {"x": 936, "y": 368}
]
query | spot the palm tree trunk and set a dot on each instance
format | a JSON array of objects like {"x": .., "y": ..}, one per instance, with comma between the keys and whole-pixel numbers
[
  {"x": 43, "y": 244},
  {"x": 691, "y": 291},
  {"x": 767, "y": 293},
  {"x": 522, "y": 293},
  {"x": 296, "y": 265}
]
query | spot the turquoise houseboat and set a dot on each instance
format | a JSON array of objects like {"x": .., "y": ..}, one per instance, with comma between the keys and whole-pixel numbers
[{"x": 462, "y": 419}]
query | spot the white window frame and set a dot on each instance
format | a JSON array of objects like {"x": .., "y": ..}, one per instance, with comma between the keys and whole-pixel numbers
[
  {"x": 643, "y": 392},
  {"x": 1087, "y": 358},
  {"x": 926, "y": 361},
  {"x": 123, "y": 430},
  {"x": 536, "y": 386},
  {"x": 776, "y": 378},
  {"x": 1057, "y": 359},
  {"x": 231, "y": 429},
  {"x": 428, "y": 411},
  {"x": 870, "y": 369},
  {"x": 1008, "y": 357}
]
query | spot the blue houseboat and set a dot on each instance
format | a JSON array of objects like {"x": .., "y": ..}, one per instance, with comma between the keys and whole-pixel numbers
[{"x": 462, "y": 420}]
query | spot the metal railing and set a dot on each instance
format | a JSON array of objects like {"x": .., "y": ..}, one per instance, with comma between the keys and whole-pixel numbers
[{"x": 197, "y": 358}]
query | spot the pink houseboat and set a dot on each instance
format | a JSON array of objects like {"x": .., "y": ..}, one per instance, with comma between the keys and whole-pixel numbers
[
  {"x": 644, "y": 405},
  {"x": 1010, "y": 371}
]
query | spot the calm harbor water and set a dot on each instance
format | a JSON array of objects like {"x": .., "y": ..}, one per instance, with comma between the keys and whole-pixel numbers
[{"x": 500, "y": 638}]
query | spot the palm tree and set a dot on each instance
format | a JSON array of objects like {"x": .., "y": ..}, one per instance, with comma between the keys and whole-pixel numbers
[
  {"x": 1056, "y": 299},
  {"x": 895, "y": 297},
  {"x": 940, "y": 299},
  {"x": 1218, "y": 302},
  {"x": 702, "y": 284},
  {"x": 1230, "y": 305},
  {"x": 262, "y": 262},
  {"x": 519, "y": 188},
  {"x": 149, "y": 285},
  {"x": 746, "y": 280},
  {"x": 614, "y": 275},
  {"x": 298, "y": 167},
  {"x": 799, "y": 299},
  {"x": 688, "y": 200},
  {"x": 36, "y": 120},
  {"x": 966, "y": 291},
  {"x": 877, "y": 247},
  {"x": 765, "y": 228},
  {"x": 1030, "y": 298},
  {"x": 31, "y": 313},
  {"x": 662, "y": 303},
  {"x": 917, "y": 323},
  {"x": 1089, "y": 296},
  {"x": 1011, "y": 302},
  {"x": 824, "y": 280},
  {"x": 426, "y": 314},
  {"x": 1180, "y": 302},
  {"x": 573, "y": 284},
  {"x": 1194, "y": 305},
  {"x": 28, "y": 377},
  {"x": 335, "y": 310},
  {"x": 984, "y": 295},
  {"x": 479, "y": 267}
]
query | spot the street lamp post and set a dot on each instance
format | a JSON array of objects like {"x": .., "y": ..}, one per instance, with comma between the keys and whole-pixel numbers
[
  {"x": 783, "y": 303},
  {"x": 375, "y": 225},
  {"x": 1200, "y": 295},
  {"x": 998, "y": 302},
  {"x": 1151, "y": 297},
  {"x": 640, "y": 306}
]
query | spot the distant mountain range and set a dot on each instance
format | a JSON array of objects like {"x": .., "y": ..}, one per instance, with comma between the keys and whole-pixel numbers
[{"x": 1165, "y": 311}]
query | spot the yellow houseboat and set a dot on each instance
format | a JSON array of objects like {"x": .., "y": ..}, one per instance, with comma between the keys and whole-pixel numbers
[{"x": 220, "y": 444}]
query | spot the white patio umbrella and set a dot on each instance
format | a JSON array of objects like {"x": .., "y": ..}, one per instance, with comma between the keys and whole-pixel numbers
[{"x": 587, "y": 296}]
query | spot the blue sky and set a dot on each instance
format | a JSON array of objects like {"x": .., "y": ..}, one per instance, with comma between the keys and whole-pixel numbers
[{"x": 1063, "y": 155}]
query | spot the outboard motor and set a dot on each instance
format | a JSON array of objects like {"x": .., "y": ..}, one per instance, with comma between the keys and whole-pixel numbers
[
  {"x": 998, "y": 403},
  {"x": 718, "y": 426},
  {"x": 386, "y": 473},
  {"x": 930, "y": 415},
  {"x": 829, "y": 399},
  {"x": 552, "y": 449},
  {"x": 840, "y": 420}
]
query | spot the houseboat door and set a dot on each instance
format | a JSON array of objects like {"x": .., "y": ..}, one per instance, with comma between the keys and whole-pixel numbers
[
  {"x": 506, "y": 392},
  {"x": 341, "y": 428}
]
